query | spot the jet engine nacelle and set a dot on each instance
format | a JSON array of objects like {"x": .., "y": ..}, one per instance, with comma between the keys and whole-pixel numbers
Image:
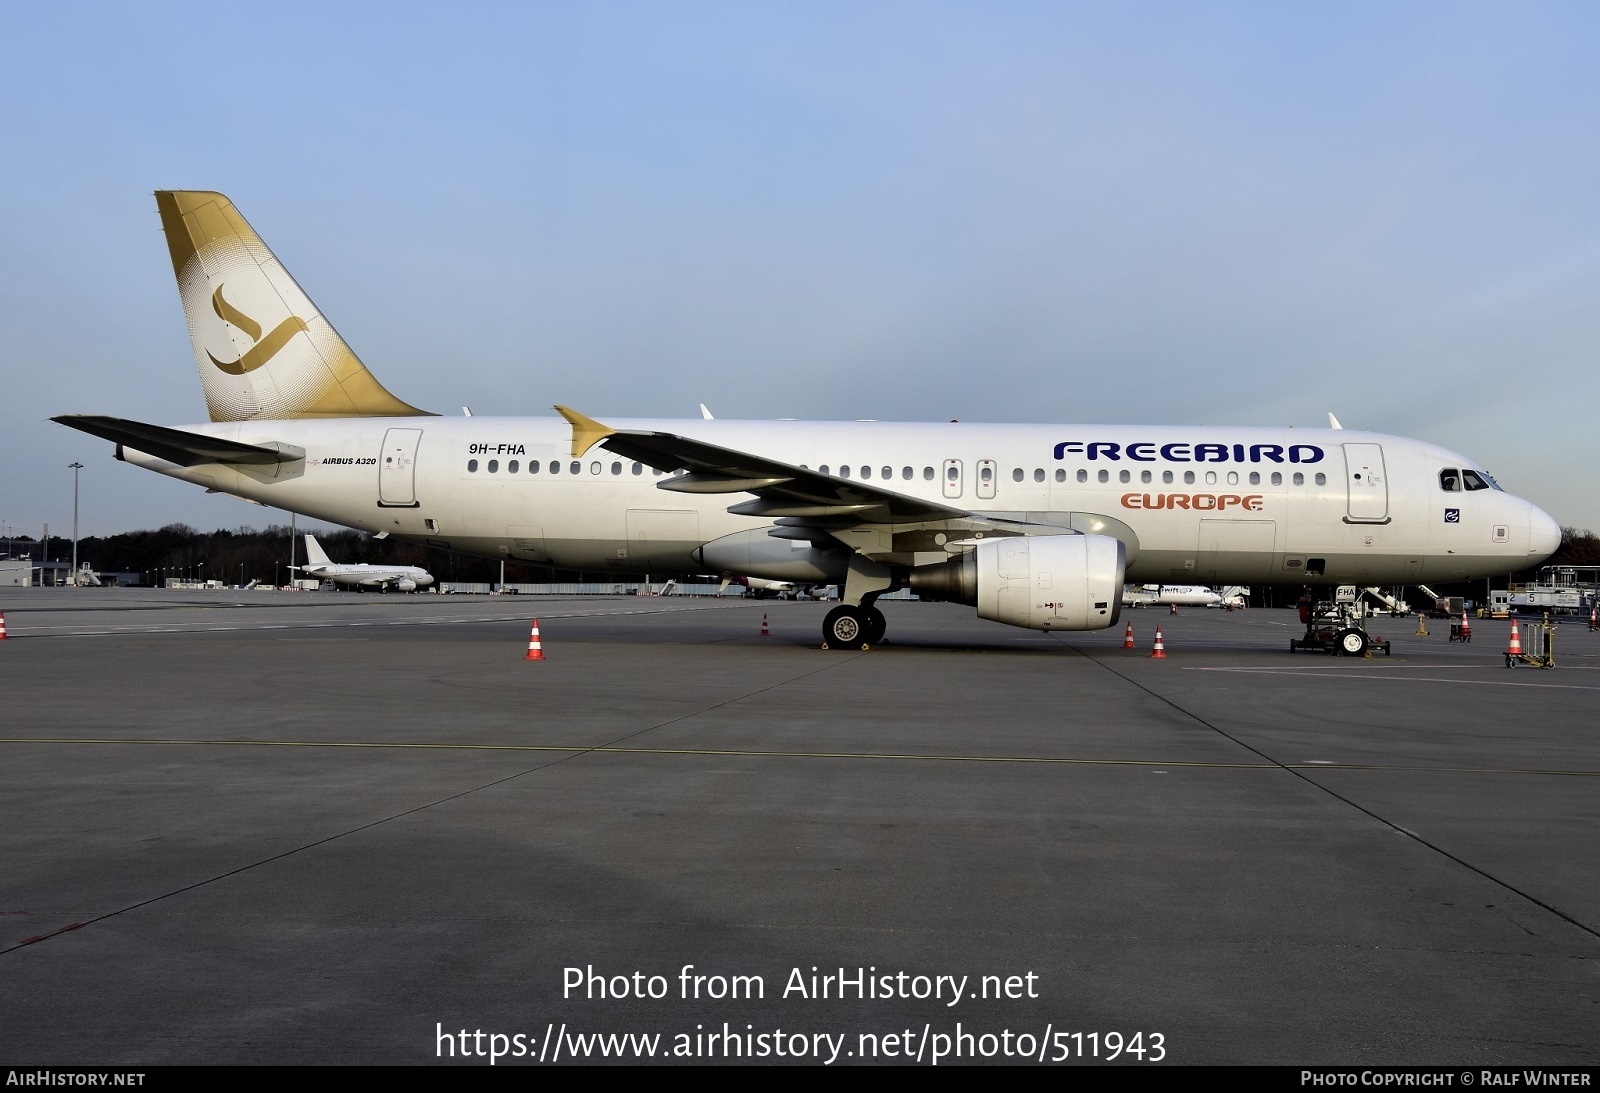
[
  {"x": 1042, "y": 582},
  {"x": 406, "y": 584}
]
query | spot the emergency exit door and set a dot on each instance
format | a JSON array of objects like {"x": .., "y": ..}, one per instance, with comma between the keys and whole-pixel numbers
[{"x": 397, "y": 469}]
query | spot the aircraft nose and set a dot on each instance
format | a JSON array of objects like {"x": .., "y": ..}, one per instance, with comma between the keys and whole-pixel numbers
[{"x": 1544, "y": 534}]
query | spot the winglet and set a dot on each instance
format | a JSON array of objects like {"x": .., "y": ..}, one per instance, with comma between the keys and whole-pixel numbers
[{"x": 586, "y": 431}]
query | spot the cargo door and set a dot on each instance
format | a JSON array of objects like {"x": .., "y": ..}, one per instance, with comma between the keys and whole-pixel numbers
[
  {"x": 527, "y": 543},
  {"x": 662, "y": 536},
  {"x": 397, "y": 469},
  {"x": 1235, "y": 551},
  {"x": 1367, "y": 483}
]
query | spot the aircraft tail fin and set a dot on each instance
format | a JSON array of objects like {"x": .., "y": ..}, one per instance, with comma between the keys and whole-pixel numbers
[
  {"x": 315, "y": 555},
  {"x": 262, "y": 347}
]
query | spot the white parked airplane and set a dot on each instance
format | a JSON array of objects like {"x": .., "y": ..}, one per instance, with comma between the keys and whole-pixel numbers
[
  {"x": 406, "y": 578},
  {"x": 1035, "y": 525},
  {"x": 1177, "y": 595},
  {"x": 1185, "y": 595}
]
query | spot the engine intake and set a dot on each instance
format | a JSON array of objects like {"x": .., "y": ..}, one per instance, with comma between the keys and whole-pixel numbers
[{"x": 1041, "y": 582}]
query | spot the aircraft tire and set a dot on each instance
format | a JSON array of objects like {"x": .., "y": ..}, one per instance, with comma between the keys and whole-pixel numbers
[
  {"x": 846, "y": 627},
  {"x": 1351, "y": 643},
  {"x": 877, "y": 626}
]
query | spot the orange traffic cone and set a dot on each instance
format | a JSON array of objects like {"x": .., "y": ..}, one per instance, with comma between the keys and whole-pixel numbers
[
  {"x": 1127, "y": 639},
  {"x": 1466, "y": 627},
  {"x": 764, "y": 631},
  {"x": 535, "y": 652},
  {"x": 1516, "y": 641},
  {"x": 2, "y": 626},
  {"x": 1160, "y": 651}
]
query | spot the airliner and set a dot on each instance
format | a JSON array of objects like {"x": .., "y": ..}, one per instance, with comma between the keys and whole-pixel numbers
[
  {"x": 1176, "y": 595},
  {"x": 406, "y": 578},
  {"x": 1037, "y": 526}
]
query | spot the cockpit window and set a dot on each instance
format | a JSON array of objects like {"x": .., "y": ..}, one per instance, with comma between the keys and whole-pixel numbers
[
  {"x": 1473, "y": 480},
  {"x": 1450, "y": 480}
]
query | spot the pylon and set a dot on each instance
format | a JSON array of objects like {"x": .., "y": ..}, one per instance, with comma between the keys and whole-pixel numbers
[
  {"x": 1422, "y": 626},
  {"x": 1466, "y": 627},
  {"x": 1127, "y": 639},
  {"x": 2, "y": 626},
  {"x": 1516, "y": 641},
  {"x": 535, "y": 652},
  {"x": 764, "y": 631},
  {"x": 1160, "y": 651}
]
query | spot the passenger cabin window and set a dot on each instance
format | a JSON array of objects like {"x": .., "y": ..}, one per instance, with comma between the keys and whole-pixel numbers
[
  {"x": 533, "y": 466},
  {"x": 616, "y": 468},
  {"x": 866, "y": 472},
  {"x": 494, "y": 465},
  {"x": 1450, "y": 480},
  {"x": 472, "y": 466},
  {"x": 1277, "y": 478},
  {"x": 927, "y": 474},
  {"x": 638, "y": 469},
  {"x": 905, "y": 473},
  {"x": 1188, "y": 478},
  {"x": 844, "y": 472},
  {"x": 1473, "y": 481},
  {"x": 555, "y": 467},
  {"x": 1038, "y": 474},
  {"x": 888, "y": 473},
  {"x": 1299, "y": 479},
  {"x": 822, "y": 469},
  {"x": 1124, "y": 476},
  {"x": 1105, "y": 476},
  {"x": 511, "y": 468},
  {"x": 1166, "y": 477},
  {"x": 1321, "y": 479},
  {"x": 1083, "y": 476},
  {"x": 1061, "y": 475},
  {"x": 576, "y": 466},
  {"x": 1255, "y": 478},
  {"x": 1144, "y": 476}
]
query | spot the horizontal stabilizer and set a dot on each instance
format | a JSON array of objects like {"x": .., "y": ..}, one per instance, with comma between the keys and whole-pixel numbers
[{"x": 177, "y": 446}]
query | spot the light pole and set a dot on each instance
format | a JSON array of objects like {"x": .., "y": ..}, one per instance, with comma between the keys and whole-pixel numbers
[{"x": 76, "y": 467}]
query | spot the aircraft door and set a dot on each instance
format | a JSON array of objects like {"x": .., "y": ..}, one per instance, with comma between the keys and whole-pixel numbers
[
  {"x": 952, "y": 478},
  {"x": 986, "y": 477},
  {"x": 397, "y": 466},
  {"x": 1368, "y": 484}
]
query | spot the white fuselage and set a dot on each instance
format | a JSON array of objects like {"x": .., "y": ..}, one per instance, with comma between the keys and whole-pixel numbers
[{"x": 1199, "y": 504}]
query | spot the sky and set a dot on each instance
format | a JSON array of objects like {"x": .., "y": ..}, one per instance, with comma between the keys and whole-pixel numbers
[{"x": 1207, "y": 214}]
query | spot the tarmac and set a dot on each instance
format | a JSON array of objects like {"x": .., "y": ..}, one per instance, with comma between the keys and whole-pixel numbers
[{"x": 264, "y": 827}]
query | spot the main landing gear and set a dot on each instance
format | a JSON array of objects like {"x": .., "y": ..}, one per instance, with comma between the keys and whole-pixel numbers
[{"x": 851, "y": 627}]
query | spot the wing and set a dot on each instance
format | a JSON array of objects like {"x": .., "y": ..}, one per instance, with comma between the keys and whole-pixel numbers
[
  {"x": 781, "y": 489},
  {"x": 808, "y": 505}
]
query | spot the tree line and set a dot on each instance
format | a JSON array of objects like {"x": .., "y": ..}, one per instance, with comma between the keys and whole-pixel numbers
[{"x": 240, "y": 555}]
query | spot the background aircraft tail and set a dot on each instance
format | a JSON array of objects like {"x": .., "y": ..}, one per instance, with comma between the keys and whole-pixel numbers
[
  {"x": 315, "y": 555},
  {"x": 263, "y": 348}
]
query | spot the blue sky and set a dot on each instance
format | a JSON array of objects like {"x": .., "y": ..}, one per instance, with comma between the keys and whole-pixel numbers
[{"x": 1173, "y": 213}]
